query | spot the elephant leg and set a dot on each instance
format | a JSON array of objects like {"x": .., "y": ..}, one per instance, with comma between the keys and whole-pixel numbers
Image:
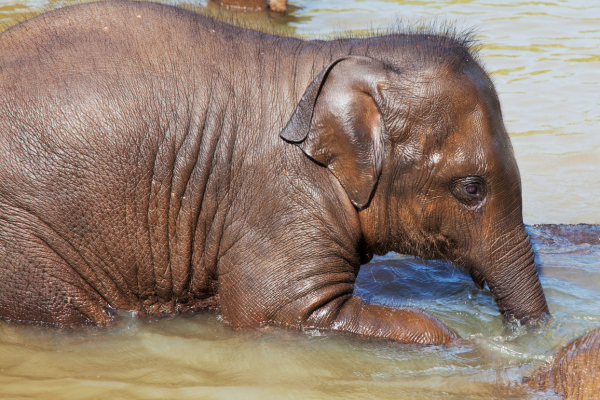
[
  {"x": 315, "y": 293},
  {"x": 38, "y": 285},
  {"x": 575, "y": 370},
  {"x": 44, "y": 289},
  {"x": 406, "y": 325}
]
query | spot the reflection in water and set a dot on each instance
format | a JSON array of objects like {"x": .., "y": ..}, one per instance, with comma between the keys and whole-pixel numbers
[
  {"x": 200, "y": 357},
  {"x": 544, "y": 58}
]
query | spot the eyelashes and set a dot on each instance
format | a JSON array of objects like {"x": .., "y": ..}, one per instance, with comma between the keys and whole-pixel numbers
[{"x": 470, "y": 191}]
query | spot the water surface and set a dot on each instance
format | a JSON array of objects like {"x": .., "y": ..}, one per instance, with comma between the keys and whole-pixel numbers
[
  {"x": 200, "y": 357},
  {"x": 545, "y": 60}
]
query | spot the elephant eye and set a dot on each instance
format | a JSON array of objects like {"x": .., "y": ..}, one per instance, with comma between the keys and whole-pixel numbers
[
  {"x": 473, "y": 189},
  {"x": 470, "y": 191}
]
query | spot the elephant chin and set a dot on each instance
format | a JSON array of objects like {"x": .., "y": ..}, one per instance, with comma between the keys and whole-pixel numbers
[{"x": 478, "y": 280}]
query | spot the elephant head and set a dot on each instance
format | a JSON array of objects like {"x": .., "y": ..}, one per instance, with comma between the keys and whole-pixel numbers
[{"x": 419, "y": 146}]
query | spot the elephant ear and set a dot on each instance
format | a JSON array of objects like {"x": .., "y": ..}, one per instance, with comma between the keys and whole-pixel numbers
[{"x": 338, "y": 124}]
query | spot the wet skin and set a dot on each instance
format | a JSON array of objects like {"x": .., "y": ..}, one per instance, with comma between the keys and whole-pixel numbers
[
  {"x": 158, "y": 161},
  {"x": 574, "y": 372}
]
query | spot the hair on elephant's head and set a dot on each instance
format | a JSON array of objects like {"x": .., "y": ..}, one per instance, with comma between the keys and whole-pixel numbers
[{"x": 415, "y": 136}]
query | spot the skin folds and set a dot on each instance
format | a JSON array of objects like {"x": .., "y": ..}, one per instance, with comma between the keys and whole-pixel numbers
[{"x": 157, "y": 161}]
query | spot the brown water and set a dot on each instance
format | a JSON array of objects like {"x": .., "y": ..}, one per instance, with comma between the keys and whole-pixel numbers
[
  {"x": 199, "y": 357},
  {"x": 545, "y": 59}
]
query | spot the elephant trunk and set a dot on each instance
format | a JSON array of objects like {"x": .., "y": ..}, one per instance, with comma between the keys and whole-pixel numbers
[{"x": 514, "y": 280}]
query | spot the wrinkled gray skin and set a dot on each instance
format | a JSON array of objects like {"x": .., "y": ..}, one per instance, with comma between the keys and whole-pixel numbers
[{"x": 155, "y": 160}]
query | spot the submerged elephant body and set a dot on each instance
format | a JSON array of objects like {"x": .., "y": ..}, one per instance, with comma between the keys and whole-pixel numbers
[
  {"x": 574, "y": 372},
  {"x": 158, "y": 161}
]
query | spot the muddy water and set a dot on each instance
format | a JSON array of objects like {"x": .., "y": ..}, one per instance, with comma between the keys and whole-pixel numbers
[
  {"x": 199, "y": 357},
  {"x": 545, "y": 59}
]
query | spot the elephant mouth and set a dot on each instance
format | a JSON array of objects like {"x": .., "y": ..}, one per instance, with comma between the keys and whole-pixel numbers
[{"x": 478, "y": 280}]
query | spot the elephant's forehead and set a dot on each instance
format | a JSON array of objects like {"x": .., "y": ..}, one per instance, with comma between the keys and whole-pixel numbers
[
  {"x": 477, "y": 136},
  {"x": 455, "y": 121},
  {"x": 452, "y": 108},
  {"x": 472, "y": 136},
  {"x": 444, "y": 88}
]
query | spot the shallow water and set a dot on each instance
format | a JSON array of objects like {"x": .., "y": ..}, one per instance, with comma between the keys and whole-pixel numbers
[
  {"x": 545, "y": 59},
  {"x": 200, "y": 357}
]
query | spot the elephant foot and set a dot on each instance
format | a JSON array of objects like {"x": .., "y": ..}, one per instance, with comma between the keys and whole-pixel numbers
[{"x": 405, "y": 325}]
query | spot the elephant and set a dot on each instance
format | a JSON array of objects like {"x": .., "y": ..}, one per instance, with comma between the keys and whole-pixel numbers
[
  {"x": 255, "y": 5},
  {"x": 574, "y": 372},
  {"x": 157, "y": 161}
]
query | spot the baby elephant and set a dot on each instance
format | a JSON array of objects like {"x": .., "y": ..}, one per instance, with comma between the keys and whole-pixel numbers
[
  {"x": 157, "y": 161},
  {"x": 575, "y": 370}
]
